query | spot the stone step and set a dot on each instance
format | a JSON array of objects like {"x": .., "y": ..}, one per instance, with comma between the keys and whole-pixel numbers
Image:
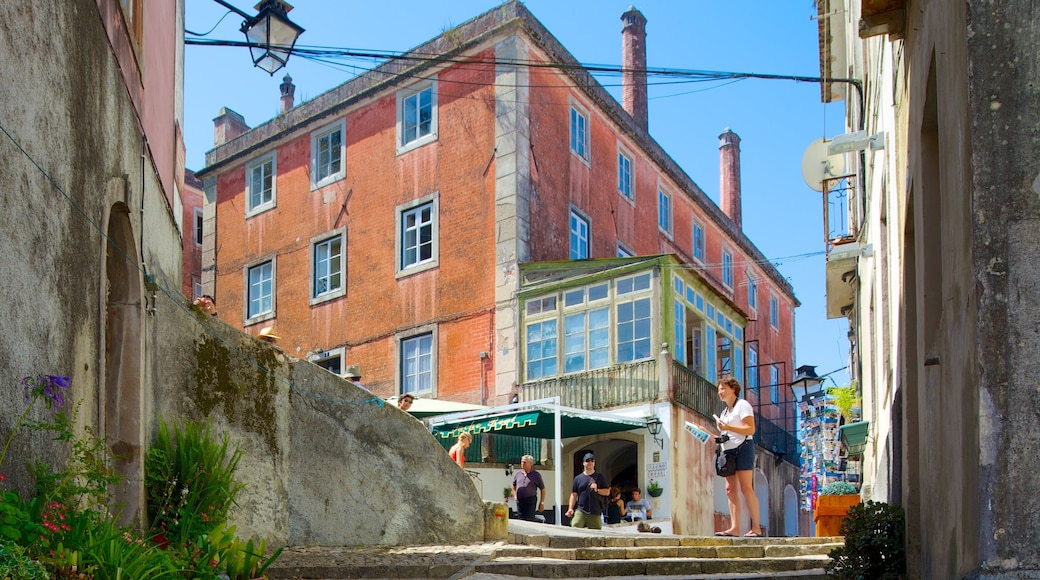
[{"x": 805, "y": 566}]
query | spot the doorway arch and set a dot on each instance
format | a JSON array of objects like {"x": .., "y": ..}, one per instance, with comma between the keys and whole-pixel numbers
[
  {"x": 790, "y": 511},
  {"x": 121, "y": 400}
]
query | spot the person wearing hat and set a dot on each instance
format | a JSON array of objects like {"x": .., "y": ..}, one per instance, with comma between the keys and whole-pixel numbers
[
  {"x": 353, "y": 374},
  {"x": 588, "y": 495},
  {"x": 267, "y": 335}
]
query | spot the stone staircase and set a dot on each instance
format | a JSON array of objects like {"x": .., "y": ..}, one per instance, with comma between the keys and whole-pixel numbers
[{"x": 538, "y": 551}]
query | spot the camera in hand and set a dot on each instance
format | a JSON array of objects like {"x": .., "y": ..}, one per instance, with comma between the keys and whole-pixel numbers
[{"x": 722, "y": 439}]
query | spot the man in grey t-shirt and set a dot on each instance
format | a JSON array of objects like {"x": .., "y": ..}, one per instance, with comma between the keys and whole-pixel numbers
[{"x": 637, "y": 508}]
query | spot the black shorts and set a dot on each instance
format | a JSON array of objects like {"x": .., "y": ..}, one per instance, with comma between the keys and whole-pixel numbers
[{"x": 746, "y": 455}]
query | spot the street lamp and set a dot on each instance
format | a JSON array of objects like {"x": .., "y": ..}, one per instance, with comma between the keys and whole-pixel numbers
[
  {"x": 270, "y": 34},
  {"x": 806, "y": 385},
  {"x": 653, "y": 424}
]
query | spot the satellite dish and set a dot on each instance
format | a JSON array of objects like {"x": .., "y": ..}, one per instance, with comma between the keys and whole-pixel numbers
[{"x": 817, "y": 165}]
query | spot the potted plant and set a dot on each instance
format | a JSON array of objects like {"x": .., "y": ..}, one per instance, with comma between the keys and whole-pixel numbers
[
  {"x": 507, "y": 492},
  {"x": 832, "y": 507},
  {"x": 654, "y": 489}
]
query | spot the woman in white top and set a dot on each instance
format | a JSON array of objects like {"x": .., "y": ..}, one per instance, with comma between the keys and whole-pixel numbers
[{"x": 738, "y": 422}]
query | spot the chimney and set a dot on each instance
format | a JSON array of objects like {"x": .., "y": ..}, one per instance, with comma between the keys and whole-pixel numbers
[
  {"x": 633, "y": 61},
  {"x": 729, "y": 175},
  {"x": 288, "y": 90},
  {"x": 227, "y": 125}
]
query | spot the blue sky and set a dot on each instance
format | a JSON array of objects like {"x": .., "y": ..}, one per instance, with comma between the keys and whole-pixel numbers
[{"x": 775, "y": 119}]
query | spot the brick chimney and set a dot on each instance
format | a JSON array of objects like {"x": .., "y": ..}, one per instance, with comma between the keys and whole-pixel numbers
[
  {"x": 227, "y": 125},
  {"x": 288, "y": 90},
  {"x": 633, "y": 60},
  {"x": 729, "y": 175}
]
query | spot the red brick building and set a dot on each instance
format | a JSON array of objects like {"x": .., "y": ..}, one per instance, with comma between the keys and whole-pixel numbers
[{"x": 385, "y": 223}]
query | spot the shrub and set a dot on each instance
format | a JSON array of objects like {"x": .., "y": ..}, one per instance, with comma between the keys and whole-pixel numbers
[
  {"x": 190, "y": 483},
  {"x": 875, "y": 544},
  {"x": 838, "y": 488},
  {"x": 16, "y": 565}
]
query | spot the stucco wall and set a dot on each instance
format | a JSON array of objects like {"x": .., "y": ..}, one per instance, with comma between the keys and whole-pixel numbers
[{"x": 1003, "y": 54}]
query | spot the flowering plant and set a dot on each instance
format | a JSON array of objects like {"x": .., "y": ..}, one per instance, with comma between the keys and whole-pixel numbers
[
  {"x": 50, "y": 388},
  {"x": 654, "y": 488}
]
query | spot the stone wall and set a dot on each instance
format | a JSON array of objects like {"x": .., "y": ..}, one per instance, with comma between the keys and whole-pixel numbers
[{"x": 325, "y": 462}]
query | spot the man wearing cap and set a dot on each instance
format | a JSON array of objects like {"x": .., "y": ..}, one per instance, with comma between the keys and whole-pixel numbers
[{"x": 588, "y": 493}]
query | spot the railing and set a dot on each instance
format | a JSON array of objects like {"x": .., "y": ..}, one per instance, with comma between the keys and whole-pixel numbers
[
  {"x": 839, "y": 211},
  {"x": 694, "y": 391},
  {"x": 615, "y": 386},
  {"x": 773, "y": 437}
]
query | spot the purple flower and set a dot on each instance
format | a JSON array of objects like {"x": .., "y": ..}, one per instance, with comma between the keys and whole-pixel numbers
[{"x": 51, "y": 387}]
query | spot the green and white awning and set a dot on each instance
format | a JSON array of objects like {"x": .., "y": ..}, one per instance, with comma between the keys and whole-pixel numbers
[{"x": 537, "y": 423}]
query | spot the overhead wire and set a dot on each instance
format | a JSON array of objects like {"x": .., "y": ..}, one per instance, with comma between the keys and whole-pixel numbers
[{"x": 175, "y": 297}]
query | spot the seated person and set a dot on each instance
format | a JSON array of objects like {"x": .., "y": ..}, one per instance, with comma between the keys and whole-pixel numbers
[
  {"x": 638, "y": 508},
  {"x": 615, "y": 507}
]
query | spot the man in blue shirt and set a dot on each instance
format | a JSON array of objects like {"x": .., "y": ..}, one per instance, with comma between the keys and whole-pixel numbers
[{"x": 588, "y": 494}]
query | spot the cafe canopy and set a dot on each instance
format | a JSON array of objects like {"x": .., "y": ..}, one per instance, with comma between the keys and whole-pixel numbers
[{"x": 541, "y": 419}]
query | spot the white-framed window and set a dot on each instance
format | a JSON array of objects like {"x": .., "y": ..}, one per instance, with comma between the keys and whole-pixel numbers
[
  {"x": 260, "y": 283},
  {"x": 197, "y": 221},
  {"x": 727, "y": 268},
  {"x": 417, "y": 232},
  {"x": 664, "y": 211},
  {"x": 327, "y": 272},
  {"x": 541, "y": 340},
  {"x": 623, "y": 251},
  {"x": 416, "y": 115},
  {"x": 752, "y": 291},
  {"x": 752, "y": 368},
  {"x": 579, "y": 236},
  {"x": 633, "y": 327},
  {"x": 261, "y": 186},
  {"x": 417, "y": 364},
  {"x": 196, "y": 287},
  {"x": 698, "y": 241},
  {"x": 328, "y": 154},
  {"x": 579, "y": 132},
  {"x": 774, "y": 384},
  {"x": 626, "y": 174},
  {"x": 774, "y": 312},
  {"x": 330, "y": 360},
  {"x": 588, "y": 327}
]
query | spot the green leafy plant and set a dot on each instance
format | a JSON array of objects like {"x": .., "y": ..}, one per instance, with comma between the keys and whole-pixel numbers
[
  {"x": 190, "y": 483},
  {"x": 875, "y": 544},
  {"x": 248, "y": 561},
  {"x": 845, "y": 398},
  {"x": 15, "y": 565},
  {"x": 15, "y": 521},
  {"x": 507, "y": 492},
  {"x": 654, "y": 488},
  {"x": 838, "y": 488}
]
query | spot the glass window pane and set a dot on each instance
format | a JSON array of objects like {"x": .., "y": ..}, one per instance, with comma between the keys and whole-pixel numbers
[{"x": 598, "y": 292}]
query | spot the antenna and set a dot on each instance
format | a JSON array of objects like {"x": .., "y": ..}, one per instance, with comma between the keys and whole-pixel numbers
[{"x": 817, "y": 165}]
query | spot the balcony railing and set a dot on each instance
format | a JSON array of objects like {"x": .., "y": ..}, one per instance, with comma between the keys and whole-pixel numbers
[
  {"x": 615, "y": 386},
  {"x": 694, "y": 391}
]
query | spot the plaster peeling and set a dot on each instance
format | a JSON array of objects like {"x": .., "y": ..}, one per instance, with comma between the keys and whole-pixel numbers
[
  {"x": 997, "y": 267},
  {"x": 989, "y": 428},
  {"x": 1036, "y": 183}
]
